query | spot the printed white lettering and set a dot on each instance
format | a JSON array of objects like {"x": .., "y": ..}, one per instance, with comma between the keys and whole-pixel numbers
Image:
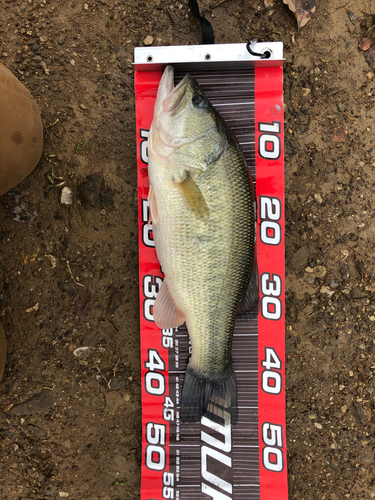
[
  {"x": 144, "y": 145},
  {"x": 220, "y": 457},
  {"x": 222, "y": 429},
  {"x": 212, "y": 452}
]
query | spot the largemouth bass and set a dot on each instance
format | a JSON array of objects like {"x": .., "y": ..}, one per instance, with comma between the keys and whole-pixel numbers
[{"x": 201, "y": 208}]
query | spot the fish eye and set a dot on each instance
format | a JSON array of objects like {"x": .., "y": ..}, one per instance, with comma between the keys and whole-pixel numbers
[{"x": 198, "y": 100}]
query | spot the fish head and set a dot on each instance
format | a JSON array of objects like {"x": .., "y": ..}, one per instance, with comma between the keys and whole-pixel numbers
[{"x": 186, "y": 129}]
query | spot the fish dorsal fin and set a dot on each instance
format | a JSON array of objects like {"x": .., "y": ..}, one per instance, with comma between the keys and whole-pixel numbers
[
  {"x": 251, "y": 297},
  {"x": 192, "y": 195},
  {"x": 166, "y": 313},
  {"x": 153, "y": 214}
]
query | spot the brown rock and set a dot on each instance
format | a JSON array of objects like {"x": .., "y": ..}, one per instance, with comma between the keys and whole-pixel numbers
[
  {"x": 366, "y": 43},
  {"x": 299, "y": 260},
  {"x": 339, "y": 135},
  {"x": 38, "y": 432},
  {"x": 359, "y": 414},
  {"x": 39, "y": 403},
  {"x": 21, "y": 131}
]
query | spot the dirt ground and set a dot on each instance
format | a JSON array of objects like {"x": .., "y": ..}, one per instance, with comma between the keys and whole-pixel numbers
[{"x": 63, "y": 430}]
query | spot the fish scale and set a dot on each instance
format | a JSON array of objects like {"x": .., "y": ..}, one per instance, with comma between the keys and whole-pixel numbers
[{"x": 207, "y": 263}]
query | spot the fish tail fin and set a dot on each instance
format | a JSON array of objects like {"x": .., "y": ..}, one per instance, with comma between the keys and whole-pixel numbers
[{"x": 212, "y": 396}]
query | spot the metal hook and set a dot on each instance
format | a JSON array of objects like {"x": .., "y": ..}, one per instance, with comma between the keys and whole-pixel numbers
[{"x": 265, "y": 55}]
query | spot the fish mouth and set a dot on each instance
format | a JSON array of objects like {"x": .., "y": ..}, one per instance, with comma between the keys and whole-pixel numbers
[
  {"x": 175, "y": 97},
  {"x": 165, "y": 88}
]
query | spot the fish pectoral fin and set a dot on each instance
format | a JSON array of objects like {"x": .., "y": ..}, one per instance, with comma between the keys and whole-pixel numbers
[
  {"x": 153, "y": 212},
  {"x": 166, "y": 313},
  {"x": 192, "y": 196},
  {"x": 251, "y": 297}
]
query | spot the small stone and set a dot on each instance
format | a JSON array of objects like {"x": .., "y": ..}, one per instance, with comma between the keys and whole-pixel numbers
[
  {"x": 117, "y": 383},
  {"x": 82, "y": 303},
  {"x": 344, "y": 408},
  {"x": 352, "y": 16},
  {"x": 333, "y": 284},
  {"x": 67, "y": 286},
  {"x": 372, "y": 318},
  {"x": 359, "y": 414},
  {"x": 370, "y": 75},
  {"x": 61, "y": 39},
  {"x": 66, "y": 196},
  {"x": 338, "y": 414},
  {"x": 83, "y": 352},
  {"x": 320, "y": 271},
  {"x": 87, "y": 275},
  {"x": 341, "y": 107},
  {"x": 33, "y": 309},
  {"x": 43, "y": 39},
  {"x": 86, "y": 7},
  {"x": 318, "y": 198},
  {"x": 334, "y": 446},
  {"x": 148, "y": 40},
  {"x": 82, "y": 106},
  {"x": 327, "y": 291},
  {"x": 74, "y": 163},
  {"x": 40, "y": 403},
  {"x": 115, "y": 301},
  {"x": 50, "y": 491},
  {"x": 63, "y": 494},
  {"x": 367, "y": 458},
  {"x": 317, "y": 271},
  {"x": 72, "y": 62},
  {"x": 38, "y": 432},
  {"x": 370, "y": 390},
  {"x": 89, "y": 190},
  {"x": 52, "y": 259},
  {"x": 351, "y": 373},
  {"x": 112, "y": 58},
  {"x": 67, "y": 444},
  {"x": 299, "y": 260},
  {"x": 339, "y": 135},
  {"x": 318, "y": 426}
]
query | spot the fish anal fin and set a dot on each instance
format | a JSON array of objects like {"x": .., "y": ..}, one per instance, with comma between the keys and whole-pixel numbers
[
  {"x": 251, "y": 297},
  {"x": 192, "y": 196},
  {"x": 166, "y": 313},
  {"x": 153, "y": 212}
]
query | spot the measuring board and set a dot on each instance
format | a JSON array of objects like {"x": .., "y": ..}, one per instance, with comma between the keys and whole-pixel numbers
[{"x": 208, "y": 459}]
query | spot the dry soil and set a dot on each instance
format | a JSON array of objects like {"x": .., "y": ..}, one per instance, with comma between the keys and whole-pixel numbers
[{"x": 68, "y": 274}]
